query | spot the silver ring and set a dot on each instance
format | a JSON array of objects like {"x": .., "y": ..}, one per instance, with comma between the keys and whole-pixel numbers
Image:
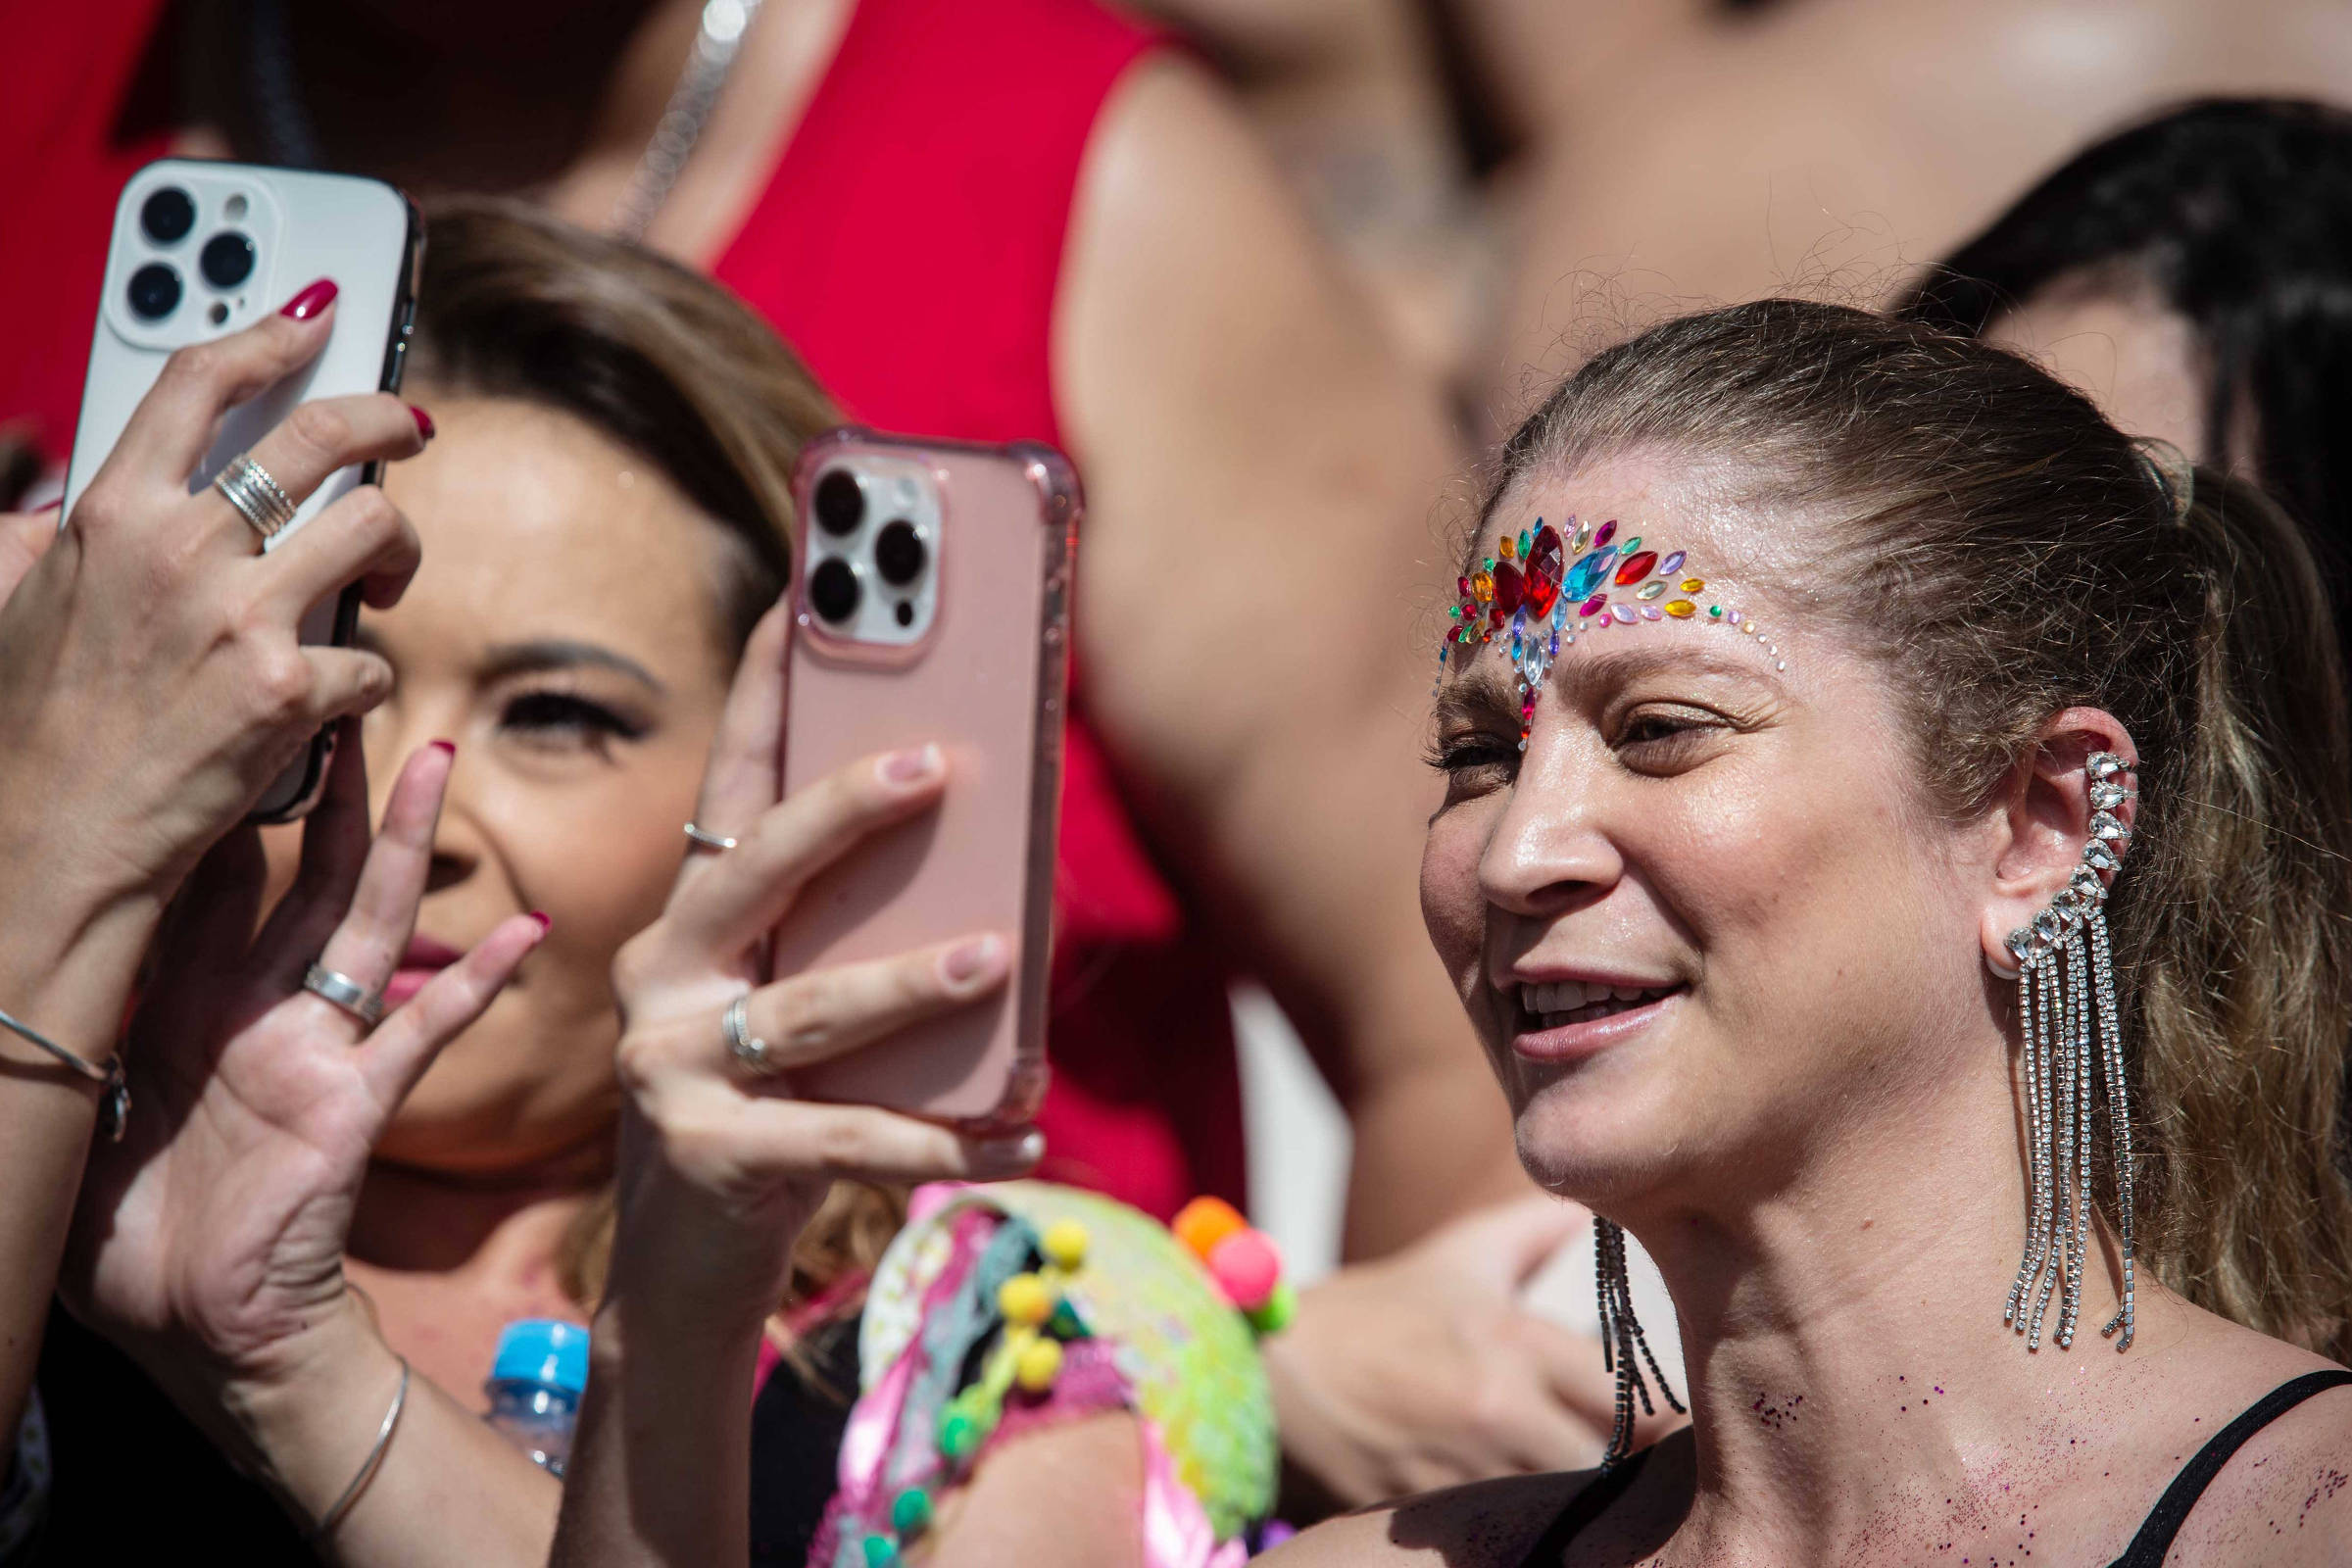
[
  {"x": 744, "y": 1046},
  {"x": 257, "y": 497},
  {"x": 346, "y": 993},
  {"x": 706, "y": 839}
]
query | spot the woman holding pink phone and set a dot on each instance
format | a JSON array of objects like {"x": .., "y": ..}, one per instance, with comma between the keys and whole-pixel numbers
[{"x": 598, "y": 643}]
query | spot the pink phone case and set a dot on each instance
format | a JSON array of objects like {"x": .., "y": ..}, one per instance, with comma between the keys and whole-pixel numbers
[{"x": 983, "y": 672}]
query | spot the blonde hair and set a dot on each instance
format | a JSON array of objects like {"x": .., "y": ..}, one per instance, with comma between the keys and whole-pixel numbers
[
  {"x": 513, "y": 303},
  {"x": 2011, "y": 555}
]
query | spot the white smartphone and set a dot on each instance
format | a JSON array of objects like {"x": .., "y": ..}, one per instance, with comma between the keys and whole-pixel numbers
[{"x": 204, "y": 249}]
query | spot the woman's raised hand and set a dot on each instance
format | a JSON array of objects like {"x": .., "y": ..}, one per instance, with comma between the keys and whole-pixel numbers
[
  {"x": 720, "y": 1167},
  {"x": 208, "y": 1243},
  {"x": 152, "y": 682}
]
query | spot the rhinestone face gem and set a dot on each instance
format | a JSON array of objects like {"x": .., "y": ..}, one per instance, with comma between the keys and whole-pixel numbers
[
  {"x": 1680, "y": 609},
  {"x": 1623, "y": 613},
  {"x": 1589, "y": 573},
  {"x": 1607, "y": 532},
  {"x": 1731, "y": 617},
  {"x": 1650, "y": 612},
  {"x": 1508, "y": 589},
  {"x": 1594, "y": 606},
  {"x": 1650, "y": 590},
  {"x": 1671, "y": 564},
  {"x": 1693, "y": 585},
  {"x": 1636, "y": 567}
]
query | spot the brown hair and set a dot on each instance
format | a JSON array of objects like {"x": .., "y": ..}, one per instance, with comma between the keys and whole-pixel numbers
[
  {"x": 2018, "y": 556},
  {"x": 515, "y": 304}
]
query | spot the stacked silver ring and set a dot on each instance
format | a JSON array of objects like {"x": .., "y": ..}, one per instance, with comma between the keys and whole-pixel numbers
[
  {"x": 704, "y": 838},
  {"x": 744, "y": 1046},
  {"x": 248, "y": 487}
]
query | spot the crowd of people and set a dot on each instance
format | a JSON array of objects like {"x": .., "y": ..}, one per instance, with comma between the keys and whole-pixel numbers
[{"x": 1882, "y": 817}]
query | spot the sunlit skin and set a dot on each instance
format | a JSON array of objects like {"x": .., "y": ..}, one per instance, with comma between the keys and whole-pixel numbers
[
  {"x": 1685, "y": 815},
  {"x": 566, "y": 636},
  {"x": 2112, "y": 337}
]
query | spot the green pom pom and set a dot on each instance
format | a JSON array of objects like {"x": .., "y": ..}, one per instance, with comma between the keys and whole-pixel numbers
[
  {"x": 911, "y": 1514},
  {"x": 880, "y": 1551},
  {"x": 1280, "y": 1309},
  {"x": 958, "y": 1435},
  {"x": 1064, "y": 1323}
]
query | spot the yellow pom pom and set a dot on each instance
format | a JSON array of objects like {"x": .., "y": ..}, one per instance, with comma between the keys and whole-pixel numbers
[
  {"x": 1064, "y": 1244},
  {"x": 1038, "y": 1365},
  {"x": 1026, "y": 1300}
]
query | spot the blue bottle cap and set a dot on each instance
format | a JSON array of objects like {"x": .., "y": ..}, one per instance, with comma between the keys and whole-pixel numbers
[{"x": 543, "y": 1350}]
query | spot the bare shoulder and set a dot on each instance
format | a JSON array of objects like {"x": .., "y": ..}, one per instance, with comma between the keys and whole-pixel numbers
[
  {"x": 1488, "y": 1524},
  {"x": 2284, "y": 1497}
]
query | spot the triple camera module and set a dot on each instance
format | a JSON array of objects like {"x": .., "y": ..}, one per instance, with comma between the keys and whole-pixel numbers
[
  {"x": 225, "y": 260},
  {"x": 859, "y": 571}
]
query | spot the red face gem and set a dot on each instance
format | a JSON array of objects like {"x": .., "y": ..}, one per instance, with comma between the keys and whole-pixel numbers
[
  {"x": 1636, "y": 566},
  {"x": 1509, "y": 587},
  {"x": 1544, "y": 561}
]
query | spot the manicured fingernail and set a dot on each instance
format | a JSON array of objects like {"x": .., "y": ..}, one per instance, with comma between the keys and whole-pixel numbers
[
  {"x": 916, "y": 766},
  {"x": 446, "y": 747},
  {"x": 982, "y": 957},
  {"x": 311, "y": 301},
  {"x": 545, "y": 924},
  {"x": 1009, "y": 1154},
  {"x": 424, "y": 421}
]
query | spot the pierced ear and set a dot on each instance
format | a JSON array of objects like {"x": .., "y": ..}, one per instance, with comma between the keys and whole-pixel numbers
[{"x": 2054, "y": 811}]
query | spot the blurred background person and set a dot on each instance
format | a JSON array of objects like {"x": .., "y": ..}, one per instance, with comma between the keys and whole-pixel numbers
[
  {"x": 1022, "y": 219},
  {"x": 1829, "y": 146},
  {"x": 2192, "y": 274}
]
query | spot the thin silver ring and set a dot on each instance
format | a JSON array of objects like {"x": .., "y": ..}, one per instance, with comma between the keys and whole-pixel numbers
[
  {"x": 744, "y": 1046},
  {"x": 258, "y": 500},
  {"x": 346, "y": 993},
  {"x": 706, "y": 838}
]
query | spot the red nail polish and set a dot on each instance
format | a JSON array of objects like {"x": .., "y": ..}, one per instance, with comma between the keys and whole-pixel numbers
[
  {"x": 446, "y": 747},
  {"x": 311, "y": 301},
  {"x": 545, "y": 924},
  {"x": 424, "y": 421}
]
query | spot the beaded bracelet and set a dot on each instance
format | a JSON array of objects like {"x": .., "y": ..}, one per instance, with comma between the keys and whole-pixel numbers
[{"x": 113, "y": 1110}]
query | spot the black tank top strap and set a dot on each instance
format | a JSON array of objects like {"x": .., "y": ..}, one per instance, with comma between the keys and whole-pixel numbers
[
  {"x": 1583, "y": 1508},
  {"x": 2164, "y": 1521}
]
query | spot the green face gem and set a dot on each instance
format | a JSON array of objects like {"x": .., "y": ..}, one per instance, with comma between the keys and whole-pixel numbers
[{"x": 1715, "y": 611}]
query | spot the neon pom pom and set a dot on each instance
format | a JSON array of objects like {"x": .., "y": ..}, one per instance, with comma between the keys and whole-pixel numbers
[
  {"x": 958, "y": 1435},
  {"x": 880, "y": 1551},
  {"x": 1247, "y": 1266},
  {"x": 910, "y": 1513},
  {"x": 1280, "y": 1308},
  {"x": 1204, "y": 1222},
  {"x": 1064, "y": 1244},
  {"x": 1026, "y": 1300},
  {"x": 1038, "y": 1365}
]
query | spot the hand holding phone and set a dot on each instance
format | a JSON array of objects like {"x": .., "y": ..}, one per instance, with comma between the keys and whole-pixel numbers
[
  {"x": 931, "y": 607},
  {"x": 152, "y": 683},
  {"x": 204, "y": 250}
]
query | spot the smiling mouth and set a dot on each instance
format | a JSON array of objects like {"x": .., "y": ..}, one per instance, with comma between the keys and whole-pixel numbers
[{"x": 1559, "y": 1004}]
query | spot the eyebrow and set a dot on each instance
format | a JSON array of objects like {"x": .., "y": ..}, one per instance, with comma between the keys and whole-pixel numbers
[
  {"x": 545, "y": 654},
  {"x": 1485, "y": 691}
]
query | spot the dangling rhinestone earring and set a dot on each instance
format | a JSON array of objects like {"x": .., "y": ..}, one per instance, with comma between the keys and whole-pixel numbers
[
  {"x": 1621, "y": 1338},
  {"x": 2067, "y": 1027}
]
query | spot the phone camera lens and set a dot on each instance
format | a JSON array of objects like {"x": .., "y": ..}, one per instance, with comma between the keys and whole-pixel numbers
[
  {"x": 227, "y": 260},
  {"x": 154, "y": 292},
  {"x": 905, "y": 613},
  {"x": 840, "y": 501},
  {"x": 833, "y": 589},
  {"x": 899, "y": 555},
  {"x": 168, "y": 215}
]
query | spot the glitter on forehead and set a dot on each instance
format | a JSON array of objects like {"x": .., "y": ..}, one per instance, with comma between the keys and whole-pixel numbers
[{"x": 1529, "y": 594}]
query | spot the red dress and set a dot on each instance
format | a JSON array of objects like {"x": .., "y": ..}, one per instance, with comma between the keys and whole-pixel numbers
[{"x": 909, "y": 244}]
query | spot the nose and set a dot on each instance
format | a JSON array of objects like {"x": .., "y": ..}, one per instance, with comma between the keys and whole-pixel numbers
[
  {"x": 394, "y": 734},
  {"x": 1549, "y": 852}
]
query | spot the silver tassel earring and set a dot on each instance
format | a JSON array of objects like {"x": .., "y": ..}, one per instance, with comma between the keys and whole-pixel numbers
[
  {"x": 1622, "y": 1339},
  {"x": 2069, "y": 1037}
]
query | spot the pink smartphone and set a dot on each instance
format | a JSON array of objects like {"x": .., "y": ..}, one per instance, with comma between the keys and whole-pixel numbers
[{"x": 932, "y": 604}]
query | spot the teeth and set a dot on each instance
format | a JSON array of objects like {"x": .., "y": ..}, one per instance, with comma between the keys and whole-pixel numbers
[{"x": 1561, "y": 1002}]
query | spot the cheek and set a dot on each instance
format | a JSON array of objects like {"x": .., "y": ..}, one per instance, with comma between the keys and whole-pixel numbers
[{"x": 1453, "y": 906}]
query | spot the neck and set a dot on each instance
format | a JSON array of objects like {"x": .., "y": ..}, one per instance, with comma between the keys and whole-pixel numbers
[
  {"x": 1843, "y": 1337},
  {"x": 418, "y": 1221}
]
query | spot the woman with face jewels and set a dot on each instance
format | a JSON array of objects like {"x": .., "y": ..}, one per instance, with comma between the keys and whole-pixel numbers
[{"x": 1892, "y": 854}]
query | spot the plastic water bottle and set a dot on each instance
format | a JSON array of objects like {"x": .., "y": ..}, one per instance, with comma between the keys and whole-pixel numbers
[{"x": 535, "y": 1384}]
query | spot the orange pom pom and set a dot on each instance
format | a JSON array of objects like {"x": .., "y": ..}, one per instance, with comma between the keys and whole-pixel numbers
[{"x": 1204, "y": 1222}]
